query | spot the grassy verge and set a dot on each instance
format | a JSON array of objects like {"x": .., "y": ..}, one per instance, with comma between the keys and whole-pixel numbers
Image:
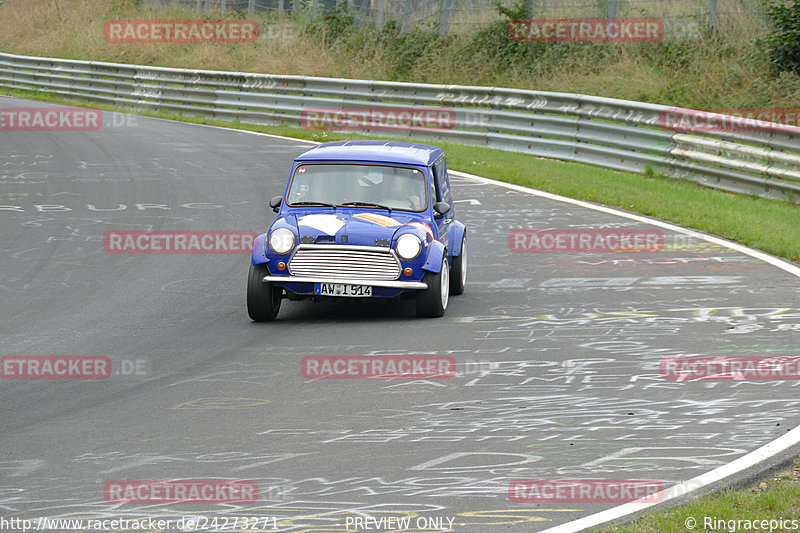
[
  {"x": 767, "y": 225},
  {"x": 774, "y": 499}
]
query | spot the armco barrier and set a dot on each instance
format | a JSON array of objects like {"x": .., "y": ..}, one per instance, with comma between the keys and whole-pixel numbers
[{"x": 618, "y": 134}]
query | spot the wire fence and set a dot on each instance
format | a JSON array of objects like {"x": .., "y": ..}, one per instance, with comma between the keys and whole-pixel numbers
[{"x": 681, "y": 18}]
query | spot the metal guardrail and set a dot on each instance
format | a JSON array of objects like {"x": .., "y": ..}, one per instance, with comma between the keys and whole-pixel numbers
[{"x": 617, "y": 134}]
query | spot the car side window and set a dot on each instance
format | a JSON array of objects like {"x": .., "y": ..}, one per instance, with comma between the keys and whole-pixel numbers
[
  {"x": 433, "y": 194},
  {"x": 442, "y": 183}
]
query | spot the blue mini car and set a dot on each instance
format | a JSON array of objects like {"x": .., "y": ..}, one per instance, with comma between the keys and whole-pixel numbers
[{"x": 361, "y": 219}]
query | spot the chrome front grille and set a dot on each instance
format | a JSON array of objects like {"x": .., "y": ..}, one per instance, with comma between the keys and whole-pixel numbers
[{"x": 344, "y": 262}]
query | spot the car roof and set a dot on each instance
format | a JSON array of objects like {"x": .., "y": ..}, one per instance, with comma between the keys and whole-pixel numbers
[{"x": 374, "y": 152}]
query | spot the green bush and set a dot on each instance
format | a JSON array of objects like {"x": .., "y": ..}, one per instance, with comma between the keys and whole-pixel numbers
[
  {"x": 784, "y": 40},
  {"x": 334, "y": 25}
]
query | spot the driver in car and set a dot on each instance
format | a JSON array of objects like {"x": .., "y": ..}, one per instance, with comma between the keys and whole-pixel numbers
[{"x": 402, "y": 191}]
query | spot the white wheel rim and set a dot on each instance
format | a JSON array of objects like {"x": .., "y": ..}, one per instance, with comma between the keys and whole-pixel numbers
[
  {"x": 464, "y": 262},
  {"x": 445, "y": 284}
]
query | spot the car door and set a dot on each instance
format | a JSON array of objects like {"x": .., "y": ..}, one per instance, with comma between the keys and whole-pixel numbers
[{"x": 442, "y": 191}]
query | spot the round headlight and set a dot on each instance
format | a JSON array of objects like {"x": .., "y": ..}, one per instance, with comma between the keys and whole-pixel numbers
[
  {"x": 281, "y": 240},
  {"x": 409, "y": 246}
]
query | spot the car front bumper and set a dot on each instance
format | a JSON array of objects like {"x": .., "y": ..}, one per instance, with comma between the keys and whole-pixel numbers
[{"x": 389, "y": 284}]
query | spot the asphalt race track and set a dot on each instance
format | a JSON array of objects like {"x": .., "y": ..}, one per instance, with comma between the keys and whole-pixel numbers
[{"x": 557, "y": 354}]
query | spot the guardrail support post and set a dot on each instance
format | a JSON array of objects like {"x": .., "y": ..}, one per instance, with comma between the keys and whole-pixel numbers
[
  {"x": 444, "y": 19},
  {"x": 379, "y": 13},
  {"x": 712, "y": 15},
  {"x": 612, "y": 9},
  {"x": 408, "y": 6}
]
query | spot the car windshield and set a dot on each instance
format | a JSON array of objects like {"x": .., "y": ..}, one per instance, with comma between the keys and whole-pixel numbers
[{"x": 358, "y": 185}]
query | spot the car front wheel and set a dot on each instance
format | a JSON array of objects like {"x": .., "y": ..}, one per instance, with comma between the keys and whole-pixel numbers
[
  {"x": 458, "y": 278},
  {"x": 263, "y": 298},
  {"x": 432, "y": 301}
]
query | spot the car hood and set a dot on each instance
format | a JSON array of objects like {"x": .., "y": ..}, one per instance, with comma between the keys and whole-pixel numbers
[{"x": 356, "y": 227}]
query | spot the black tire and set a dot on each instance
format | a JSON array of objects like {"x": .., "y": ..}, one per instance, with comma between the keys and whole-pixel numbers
[
  {"x": 458, "y": 272},
  {"x": 263, "y": 298},
  {"x": 432, "y": 301}
]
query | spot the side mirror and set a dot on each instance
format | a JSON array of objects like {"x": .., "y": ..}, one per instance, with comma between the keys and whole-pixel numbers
[
  {"x": 275, "y": 203},
  {"x": 441, "y": 209}
]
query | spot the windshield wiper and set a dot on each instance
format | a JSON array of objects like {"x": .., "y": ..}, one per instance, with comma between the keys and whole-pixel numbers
[
  {"x": 314, "y": 203},
  {"x": 369, "y": 204}
]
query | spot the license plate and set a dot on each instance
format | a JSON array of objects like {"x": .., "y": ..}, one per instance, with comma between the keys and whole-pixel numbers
[{"x": 343, "y": 289}]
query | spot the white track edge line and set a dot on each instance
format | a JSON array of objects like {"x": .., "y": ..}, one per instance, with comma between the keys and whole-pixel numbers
[
  {"x": 774, "y": 261},
  {"x": 758, "y": 455}
]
